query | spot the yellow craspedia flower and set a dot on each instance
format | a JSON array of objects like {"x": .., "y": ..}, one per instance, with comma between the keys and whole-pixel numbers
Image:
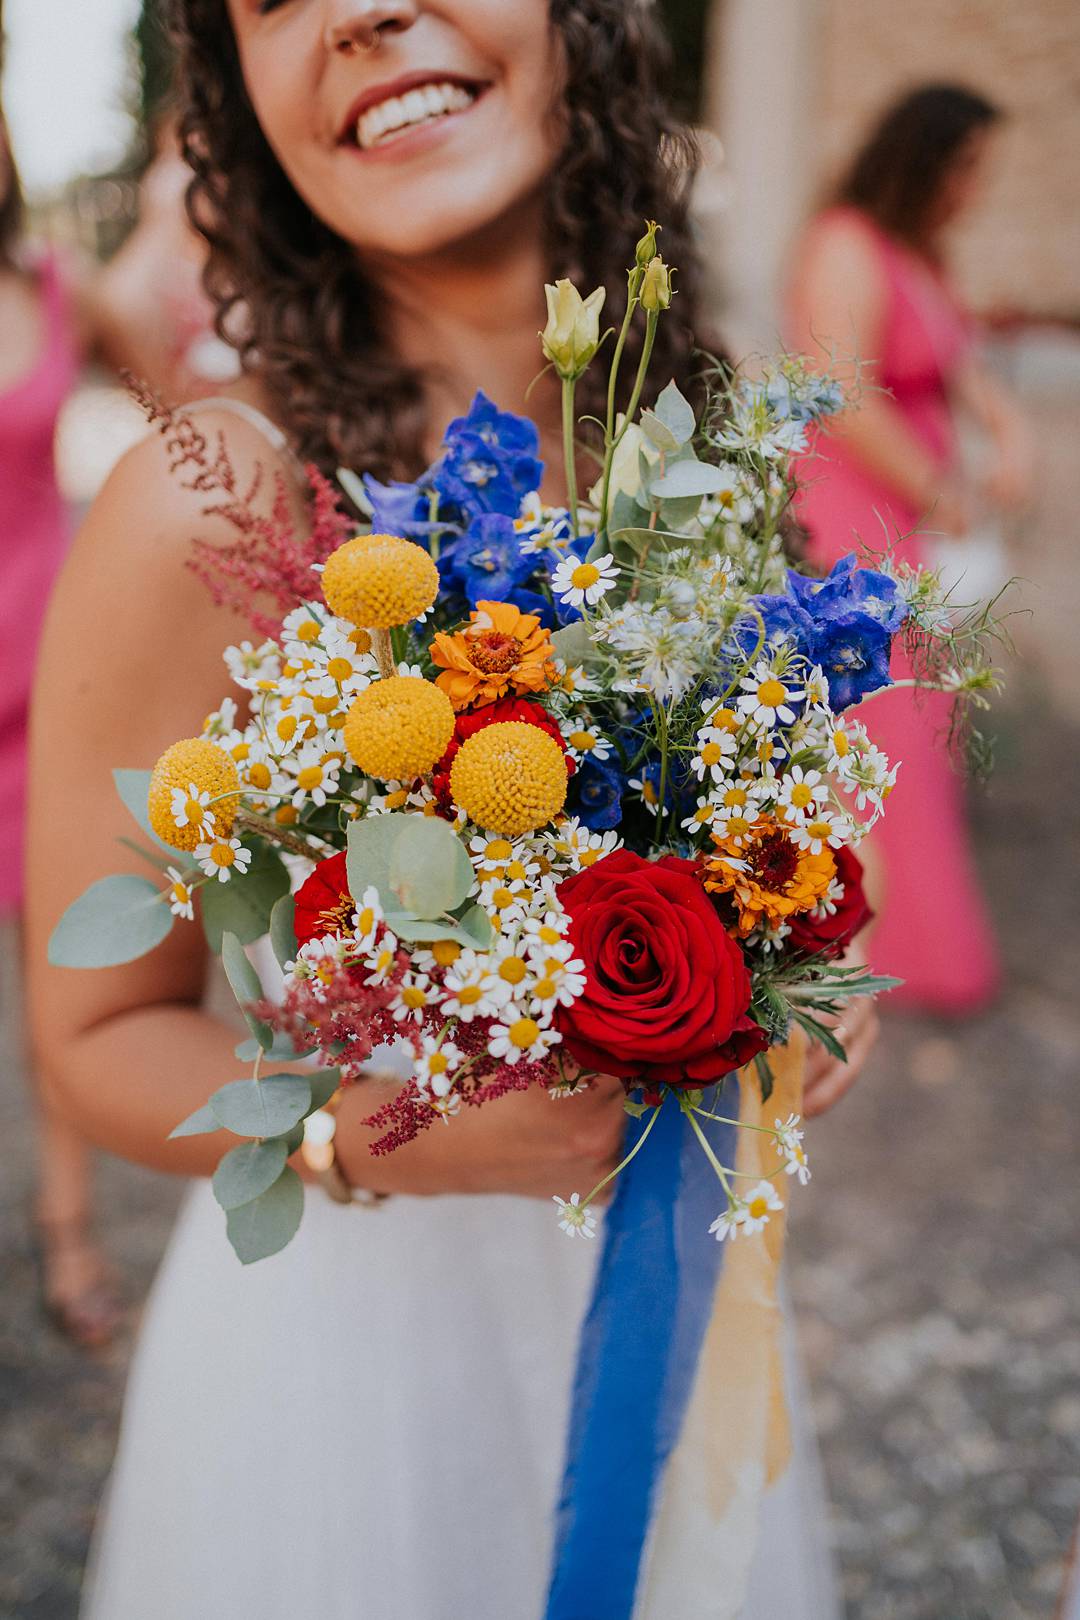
[
  {"x": 379, "y": 581},
  {"x": 185, "y": 802},
  {"x": 509, "y": 778},
  {"x": 398, "y": 729}
]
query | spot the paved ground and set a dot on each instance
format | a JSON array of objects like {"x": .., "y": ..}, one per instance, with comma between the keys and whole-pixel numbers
[{"x": 936, "y": 1253}]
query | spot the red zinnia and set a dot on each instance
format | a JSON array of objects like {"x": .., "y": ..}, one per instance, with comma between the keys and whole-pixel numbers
[{"x": 323, "y": 903}]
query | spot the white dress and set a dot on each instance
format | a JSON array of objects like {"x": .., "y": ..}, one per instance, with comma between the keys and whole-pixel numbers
[{"x": 370, "y": 1426}]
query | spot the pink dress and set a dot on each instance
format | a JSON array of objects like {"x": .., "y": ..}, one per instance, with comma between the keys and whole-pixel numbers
[
  {"x": 33, "y": 537},
  {"x": 933, "y": 930}
]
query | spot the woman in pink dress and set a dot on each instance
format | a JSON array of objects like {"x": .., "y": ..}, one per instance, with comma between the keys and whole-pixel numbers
[
  {"x": 39, "y": 360},
  {"x": 869, "y": 282}
]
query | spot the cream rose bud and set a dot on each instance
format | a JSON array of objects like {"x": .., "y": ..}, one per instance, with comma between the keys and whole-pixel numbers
[
  {"x": 572, "y": 334},
  {"x": 656, "y": 286},
  {"x": 646, "y": 248}
]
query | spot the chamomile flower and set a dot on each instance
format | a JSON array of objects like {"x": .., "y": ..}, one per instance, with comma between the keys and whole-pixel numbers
[
  {"x": 768, "y": 699},
  {"x": 701, "y": 816},
  {"x": 576, "y": 1219},
  {"x": 254, "y": 668},
  {"x": 760, "y": 1202},
  {"x": 180, "y": 895},
  {"x": 415, "y": 995},
  {"x": 221, "y": 857},
  {"x": 436, "y": 1064},
  {"x": 314, "y": 775},
  {"x": 789, "y": 1140},
  {"x": 584, "y": 743},
  {"x": 578, "y": 847},
  {"x": 716, "y": 747},
  {"x": 192, "y": 808},
  {"x": 367, "y": 919},
  {"x": 382, "y": 961},
  {"x": 802, "y": 792},
  {"x": 817, "y": 689},
  {"x": 467, "y": 989},
  {"x": 558, "y": 981},
  {"x": 582, "y": 584},
  {"x": 726, "y": 1224},
  {"x": 521, "y": 1038},
  {"x": 822, "y": 829},
  {"x": 319, "y": 961}
]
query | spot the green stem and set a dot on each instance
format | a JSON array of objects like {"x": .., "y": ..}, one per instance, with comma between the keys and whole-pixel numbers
[
  {"x": 569, "y": 452},
  {"x": 688, "y": 1110},
  {"x": 664, "y": 731},
  {"x": 636, "y": 1149},
  {"x": 280, "y": 835},
  {"x": 613, "y": 378}
]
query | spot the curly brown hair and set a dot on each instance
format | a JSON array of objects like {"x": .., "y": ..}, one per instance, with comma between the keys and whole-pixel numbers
[{"x": 309, "y": 319}]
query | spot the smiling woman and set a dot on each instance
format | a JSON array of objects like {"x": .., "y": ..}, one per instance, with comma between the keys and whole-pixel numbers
[{"x": 381, "y": 260}]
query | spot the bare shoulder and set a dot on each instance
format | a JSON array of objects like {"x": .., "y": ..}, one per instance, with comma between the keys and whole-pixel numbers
[{"x": 839, "y": 247}]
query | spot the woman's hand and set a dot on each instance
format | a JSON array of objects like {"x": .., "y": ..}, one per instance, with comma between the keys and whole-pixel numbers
[
  {"x": 827, "y": 1078},
  {"x": 527, "y": 1143}
]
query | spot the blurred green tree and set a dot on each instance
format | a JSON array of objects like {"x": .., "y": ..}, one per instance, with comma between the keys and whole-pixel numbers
[{"x": 155, "y": 64}]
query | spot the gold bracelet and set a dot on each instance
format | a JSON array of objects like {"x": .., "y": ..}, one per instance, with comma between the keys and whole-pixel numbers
[{"x": 319, "y": 1154}]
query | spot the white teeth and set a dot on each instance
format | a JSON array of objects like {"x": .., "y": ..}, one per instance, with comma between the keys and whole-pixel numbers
[{"x": 414, "y": 107}]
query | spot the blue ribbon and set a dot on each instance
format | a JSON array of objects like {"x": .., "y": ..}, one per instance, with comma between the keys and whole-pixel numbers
[{"x": 637, "y": 1359}]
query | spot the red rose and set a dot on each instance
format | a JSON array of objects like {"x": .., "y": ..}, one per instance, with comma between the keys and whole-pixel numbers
[
  {"x": 467, "y": 724},
  {"x": 323, "y": 903},
  {"x": 668, "y": 989},
  {"x": 831, "y": 936}
]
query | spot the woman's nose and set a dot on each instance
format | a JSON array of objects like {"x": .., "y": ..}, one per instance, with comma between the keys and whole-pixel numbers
[{"x": 360, "y": 25}]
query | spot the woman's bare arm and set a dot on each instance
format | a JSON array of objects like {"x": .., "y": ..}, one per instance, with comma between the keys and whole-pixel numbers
[
  {"x": 838, "y": 300},
  {"x": 130, "y": 662}
]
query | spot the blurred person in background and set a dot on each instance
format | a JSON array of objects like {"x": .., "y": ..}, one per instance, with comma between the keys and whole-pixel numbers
[
  {"x": 154, "y": 317},
  {"x": 869, "y": 292},
  {"x": 45, "y": 326}
]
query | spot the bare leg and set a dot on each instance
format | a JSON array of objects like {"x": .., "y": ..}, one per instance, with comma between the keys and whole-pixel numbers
[{"x": 75, "y": 1286}]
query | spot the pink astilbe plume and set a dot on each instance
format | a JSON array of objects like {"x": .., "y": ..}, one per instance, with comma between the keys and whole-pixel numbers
[{"x": 271, "y": 560}]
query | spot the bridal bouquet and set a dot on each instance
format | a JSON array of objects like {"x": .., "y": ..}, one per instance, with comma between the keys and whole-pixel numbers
[{"x": 531, "y": 793}]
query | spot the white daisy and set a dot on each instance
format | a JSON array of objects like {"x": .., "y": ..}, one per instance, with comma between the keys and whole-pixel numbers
[
  {"x": 823, "y": 828},
  {"x": 767, "y": 698},
  {"x": 315, "y": 774},
  {"x": 367, "y": 918},
  {"x": 583, "y": 584},
  {"x": 521, "y": 1038},
  {"x": 789, "y": 1140},
  {"x": 436, "y": 1064},
  {"x": 180, "y": 895},
  {"x": 221, "y": 857},
  {"x": 802, "y": 792},
  {"x": 192, "y": 809},
  {"x": 575, "y": 1219},
  {"x": 760, "y": 1202}
]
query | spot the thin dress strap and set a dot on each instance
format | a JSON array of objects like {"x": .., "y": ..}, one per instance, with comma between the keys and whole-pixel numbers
[{"x": 262, "y": 424}]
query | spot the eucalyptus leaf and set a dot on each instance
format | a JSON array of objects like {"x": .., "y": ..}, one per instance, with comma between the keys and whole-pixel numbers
[
  {"x": 690, "y": 477},
  {"x": 262, "y": 1107},
  {"x": 658, "y": 433},
  {"x": 116, "y": 920},
  {"x": 134, "y": 790},
  {"x": 430, "y": 871},
  {"x": 476, "y": 925},
  {"x": 247, "y": 1171},
  {"x": 202, "y": 1121},
  {"x": 323, "y": 1083},
  {"x": 370, "y": 849},
  {"x": 573, "y": 643},
  {"x": 640, "y": 541},
  {"x": 160, "y": 862},
  {"x": 246, "y": 987},
  {"x": 244, "y": 905},
  {"x": 422, "y": 931},
  {"x": 676, "y": 413},
  {"x": 626, "y": 512},
  {"x": 283, "y": 929},
  {"x": 677, "y": 514},
  {"x": 265, "y": 1225},
  {"x": 281, "y": 1051}
]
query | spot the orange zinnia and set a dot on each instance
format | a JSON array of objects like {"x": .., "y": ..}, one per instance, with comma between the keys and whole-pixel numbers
[
  {"x": 767, "y": 875},
  {"x": 501, "y": 650}
]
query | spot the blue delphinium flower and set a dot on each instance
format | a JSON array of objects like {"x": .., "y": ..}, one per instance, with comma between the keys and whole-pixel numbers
[
  {"x": 490, "y": 462},
  {"x": 399, "y": 508},
  {"x": 853, "y": 649},
  {"x": 846, "y": 588},
  {"x": 488, "y": 559},
  {"x": 596, "y": 791}
]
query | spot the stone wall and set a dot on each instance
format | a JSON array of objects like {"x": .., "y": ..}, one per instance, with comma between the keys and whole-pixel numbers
[{"x": 1021, "y": 247}]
